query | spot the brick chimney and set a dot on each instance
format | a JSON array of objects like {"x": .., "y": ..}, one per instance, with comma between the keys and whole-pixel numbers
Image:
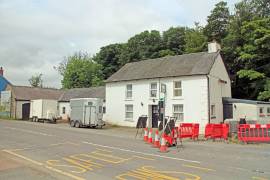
[{"x": 1, "y": 71}]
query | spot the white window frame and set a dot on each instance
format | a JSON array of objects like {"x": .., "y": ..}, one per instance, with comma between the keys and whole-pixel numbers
[
  {"x": 151, "y": 90},
  {"x": 129, "y": 91},
  {"x": 129, "y": 111},
  {"x": 64, "y": 110},
  {"x": 178, "y": 112},
  {"x": 177, "y": 89},
  {"x": 213, "y": 111}
]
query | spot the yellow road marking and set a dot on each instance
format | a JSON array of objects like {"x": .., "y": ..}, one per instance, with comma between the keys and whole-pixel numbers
[
  {"x": 198, "y": 167},
  {"x": 259, "y": 178},
  {"x": 105, "y": 150},
  {"x": 148, "y": 172},
  {"x": 23, "y": 157},
  {"x": 145, "y": 158},
  {"x": 64, "y": 173}
]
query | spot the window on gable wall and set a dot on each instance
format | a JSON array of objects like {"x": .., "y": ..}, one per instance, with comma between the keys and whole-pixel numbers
[
  {"x": 261, "y": 110},
  {"x": 178, "y": 111},
  {"x": 153, "y": 90},
  {"x": 129, "y": 91},
  {"x": 268, "y": 111},
  {"x": 177, "y": 88},
  {"x": 213, "y": 111},
  {"x": 63, "y": 110}
]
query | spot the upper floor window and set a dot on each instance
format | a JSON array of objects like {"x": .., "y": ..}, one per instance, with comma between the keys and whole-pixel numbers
[
  {"x": 268, "y": 110},
  {"x": 153, "y": 90},
  {"x": 177, "y": 88},
  {"x": 129, "y": 91},
  {"x": 63, "y": 110}
]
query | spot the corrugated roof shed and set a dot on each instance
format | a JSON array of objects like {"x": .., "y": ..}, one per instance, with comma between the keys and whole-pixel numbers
[
  {"x": 169, "y": 66},
  {"x": 31, "y": 93},
  {"x": 93, "y": 92}
]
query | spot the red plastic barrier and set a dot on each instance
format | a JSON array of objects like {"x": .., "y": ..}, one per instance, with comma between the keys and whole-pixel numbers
[
  {"x": 215, "y": 131},
  {"x": 171, "y": 138},
  {"x": 188, "y": 130},
  {"x": 254, "y": 132}
]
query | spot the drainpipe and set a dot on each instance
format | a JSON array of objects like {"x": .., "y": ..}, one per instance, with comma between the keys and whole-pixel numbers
[{"x": 208, "y": 96}]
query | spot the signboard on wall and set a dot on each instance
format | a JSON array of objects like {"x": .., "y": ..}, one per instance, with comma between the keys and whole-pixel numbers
[{"x": 5, "y": 103}]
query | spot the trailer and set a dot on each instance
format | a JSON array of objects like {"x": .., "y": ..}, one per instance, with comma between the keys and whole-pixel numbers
[
  {"x": 42, "y": 110},
  {"x": 86, "y": 112}
]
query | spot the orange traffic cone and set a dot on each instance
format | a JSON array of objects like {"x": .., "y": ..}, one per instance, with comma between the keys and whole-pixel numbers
[
  {"x": 150, "y": 139},
  {"x": 156, "y": 142},
  {"x": 163, "y": 146},
  {"x": 145, "y": 138}
]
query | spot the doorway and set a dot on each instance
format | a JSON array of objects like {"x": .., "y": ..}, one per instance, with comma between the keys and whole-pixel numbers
[
  {"x": 25, "y": 111},
  {"x": 154, "y": 115}
]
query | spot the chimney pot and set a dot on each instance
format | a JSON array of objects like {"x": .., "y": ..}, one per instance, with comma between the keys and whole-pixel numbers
[{"x": 1, "y": 71}]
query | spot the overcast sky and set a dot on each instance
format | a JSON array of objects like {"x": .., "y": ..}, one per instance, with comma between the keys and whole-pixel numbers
[{"x": 35, "y": 35}]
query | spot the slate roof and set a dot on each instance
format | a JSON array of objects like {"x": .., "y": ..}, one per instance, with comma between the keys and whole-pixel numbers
[
  {"x": 227, "y": 100},
  {"x": 169, "y": 66},
  {"x": 31, "y": 93},
  {"x": 93, "y": 92}
]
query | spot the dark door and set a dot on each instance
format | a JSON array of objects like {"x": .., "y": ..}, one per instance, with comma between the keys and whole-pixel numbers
[
  {"x": 25, "y": 111},
  {"x": 154, "y": 116},
  {"x": 227, "y": 111}
]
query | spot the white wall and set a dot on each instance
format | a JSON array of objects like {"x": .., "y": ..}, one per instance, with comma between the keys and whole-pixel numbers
[
  {"x": 194, "y": 99},
  {"x": 60, "y": 108},
  {"x": 218, "y": 89}
]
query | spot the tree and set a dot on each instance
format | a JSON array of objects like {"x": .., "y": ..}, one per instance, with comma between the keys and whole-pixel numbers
[
  {"x": 217, "y": 22},
  {"x": 36, "y": 80},
  {"x": 174, "y": 39},
  {"x": 80, "y": 71},
  {"x": 109, "y": 57},
  {"x": 195, "y": 41},
  {"x": 145, "y": 45}
]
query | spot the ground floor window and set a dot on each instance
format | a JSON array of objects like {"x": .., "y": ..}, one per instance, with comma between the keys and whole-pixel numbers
[
  {"x": 213, "y": 111},
  {"x": 129, "y": 112},
  {"x": 178, "y": 111}
]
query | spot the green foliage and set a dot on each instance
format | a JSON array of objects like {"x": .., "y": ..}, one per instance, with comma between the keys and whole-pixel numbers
[
  {"x": 265, "y": 94},
  {"x": 195, "y": 41},
  {"x": 174, "y": 39},
  {"x": 217, "y": 22},
  {"x": 79, "y": 70},
  {"x": 250, "y": 74},
  {"x": 36, "y": 80}
]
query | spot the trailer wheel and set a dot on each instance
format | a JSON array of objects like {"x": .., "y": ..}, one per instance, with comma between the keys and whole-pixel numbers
[
  {"x": 77, "y": 124},
  {"x": 72, "y": 123}
]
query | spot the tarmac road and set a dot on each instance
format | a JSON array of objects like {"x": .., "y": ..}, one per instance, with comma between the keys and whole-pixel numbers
[{"x": 56, "y": 151}]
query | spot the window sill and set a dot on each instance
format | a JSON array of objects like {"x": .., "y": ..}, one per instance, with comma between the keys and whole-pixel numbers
[
  {"x": 129, "y": 120},
  {"x": 261, "y": 115},
  {"x": 178, "y": 98},
  {"x": 128, "y": 99}
]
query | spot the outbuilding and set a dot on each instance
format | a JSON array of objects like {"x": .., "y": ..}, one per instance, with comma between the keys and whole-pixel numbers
[
  {"x": 191, "y": 87},
  {"x": 258, "y": 111},
  {"x": 19, "y": 98}
]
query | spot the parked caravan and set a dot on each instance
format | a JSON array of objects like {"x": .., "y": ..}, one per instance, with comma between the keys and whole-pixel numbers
[
  {"x": 86, "y": 112},
  {"x": 43, "y": 110}
]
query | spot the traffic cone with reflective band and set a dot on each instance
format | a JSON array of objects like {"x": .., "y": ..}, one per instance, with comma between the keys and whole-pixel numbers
[
  {"x": 150, "y": 139},
  {"x": 156, "y": 142},
  {"x": 145, "y": 138},
  {"x": 163, "y": 146}
]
